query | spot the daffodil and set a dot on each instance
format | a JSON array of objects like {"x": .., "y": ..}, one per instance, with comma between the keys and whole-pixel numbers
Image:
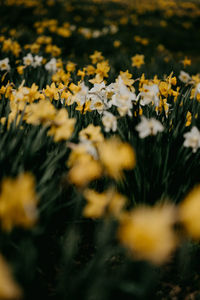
[
  {"x": 116, "y": 156},
  {"x": 98, "y": 205},
  {"x": 184, "y": 77},
  {"x": 109, "y": 121},
  {"x": 18, "y": 201},
  {"x": 189, "y": 214},
  {"x": 192, "y": 139},
  {"x": 9, "y": 289},
  {"x": 148, "y": 127},
  {"x": 137, "y": 60},
  {"x": 4, "y": 64},
  {"x": 148, "y": 232},
  {"x": 51, "y": 66}
]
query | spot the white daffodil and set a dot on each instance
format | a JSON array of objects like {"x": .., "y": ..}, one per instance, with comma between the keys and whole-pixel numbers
[
  {"x": 149, "y": 95},
  {"x": 184, "y": 77},
  {"x": 197, "y": 90},
  {"x": 122, "y": 97},
  {"x": 149, "y": 127},
  {"x": 82, "y": 96},
  {"x": 96, "y": 33},
  {"x": 51, "y": 65},
  {"x": 4, "y": 64},
  {"x": 192, "y": 139},
  {"x": 37, "y": 61},
  {"x": 28, "y": 59},
  {"x": 109, "y": 121},
  {"x": 97, "y": 104},
  {"x": 98, "y": 87}
]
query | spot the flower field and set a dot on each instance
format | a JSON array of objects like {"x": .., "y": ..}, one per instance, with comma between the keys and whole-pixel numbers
[{"x": 99, "y": 149}]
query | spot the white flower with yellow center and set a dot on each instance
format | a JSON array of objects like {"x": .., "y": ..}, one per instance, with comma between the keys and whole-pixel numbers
[
  {"x": 149, "y": 95},
  {"x": 192, "y": 139},
  {"x": 122, "y": 97},
  {"x": 149, "y": 127},
  {"x": 109, "y": 122},
  {"x": 97, "y": 104},
  {"x": 37, "y": 61},
  {"x": 28, "y": 60},
  {"x": 184, "y": 77},
  {"x": 197, "y": 90},
  {"x": 81, "y": 96},
  {"x": 4, "y": 64},
  {"x": 51, "y": 65}
]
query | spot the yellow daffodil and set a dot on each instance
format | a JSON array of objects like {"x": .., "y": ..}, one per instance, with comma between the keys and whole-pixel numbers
[
  {"x": 148, "y": 234},
  {"x": 18, "y": 202}
]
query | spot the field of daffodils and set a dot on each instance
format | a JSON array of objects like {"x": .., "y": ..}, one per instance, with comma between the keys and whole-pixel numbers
[{"x": 99, "y": 150}]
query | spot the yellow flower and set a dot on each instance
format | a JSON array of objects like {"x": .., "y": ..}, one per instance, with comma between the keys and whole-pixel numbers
[
  {"x": 102, "y": 69},
  {"x": 2, "y": 91},
  {"x": 70, "y": 67},
  {"x": 62, "y": 127},
  {"x": 91, "y": 133},
  {"x": 42, "y": 112},
  {"x": 186, "y": 62},
  {"x": 99, "y": 204},
  {"x": 96, "y": 204},
  {"x": 83, "y": 108},
  {"x": 44, "y": 39},
  {"x": 79, "y": 154},
  {"x": 126, "y": 77},
  {"x": 188, "y": 119},
  {"x": 33, "y": 93},
  {"x": 175, "y": 93},
  {"x": 96, "y": 57},
  {"x": 20, "y": 69},
  {"x": 51, "y": 92},
  {"x": 81, "y": 73},
  {"x": 74, "y": 88},
  {"x": 164, "y": 88},
  {"x": 116, "y": 43},
  {"x": 16, "y": 49},
  {"x": 34, "y": 48},
  {"x": 189, "y": 211},
  {"x": 61, "y": 76},
  {"x": 144, "y": 41},
  {"x": 116, "y": 156},
  {"x": 90, "y": 69},
  {"x": 7, "y": 45},
  {"x": 84, "y": 171},
  {"x": 53, "y": 49},
  {"x": 137, "y": 60},
  {"x": 147, "y": 233},
  {"x": 9, "y": 289},
  {"x": 62, "y": 132},
  {"x": 18, "y": 202},
  {"x": 65, "y": 32},
  {"x": 97, "y": 79}
]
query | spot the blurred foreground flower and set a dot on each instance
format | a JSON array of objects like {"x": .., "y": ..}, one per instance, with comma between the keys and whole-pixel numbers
[
  {"x": 9, "y": 290},
  {"x": 84, "y": 168},
  {"x": 62, "y": 126},
  {"x": 99, "y": 204},
  {"x": 18, "y": 202},
  {"x": 116, "y": 156},
  {"x": 147, "y": 232},
  {"x": 189, "y": 211},
  {"x": 84, "y": 171}
]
